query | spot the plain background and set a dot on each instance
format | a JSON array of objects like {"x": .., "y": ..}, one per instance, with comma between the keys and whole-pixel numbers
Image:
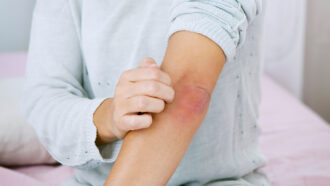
[
  {"x": 15, "y": 20},
  {"x": 296, "y": 49}
]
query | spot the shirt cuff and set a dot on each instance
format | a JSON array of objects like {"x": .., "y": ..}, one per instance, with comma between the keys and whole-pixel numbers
[{"x": 94, "y": 155}]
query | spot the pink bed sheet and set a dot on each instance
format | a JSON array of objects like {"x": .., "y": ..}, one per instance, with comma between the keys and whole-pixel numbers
[
  {"x": 35, "y": 176},
  {"x": 12, "y": 64},
  {"x": 295, "y": 140}
]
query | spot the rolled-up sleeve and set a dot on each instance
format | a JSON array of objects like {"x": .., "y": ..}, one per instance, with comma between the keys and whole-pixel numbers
[{"x": 223, "y": 21}]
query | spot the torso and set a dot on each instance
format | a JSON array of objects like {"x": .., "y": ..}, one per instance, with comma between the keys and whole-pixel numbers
[{"x": 116, "y": 35}]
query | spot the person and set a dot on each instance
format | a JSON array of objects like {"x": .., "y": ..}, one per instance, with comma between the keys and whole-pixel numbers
[{"x": 148, "y": 92}]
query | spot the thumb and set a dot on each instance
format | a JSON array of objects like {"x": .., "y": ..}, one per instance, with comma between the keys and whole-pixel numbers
[{"x": 148, "y": 62}]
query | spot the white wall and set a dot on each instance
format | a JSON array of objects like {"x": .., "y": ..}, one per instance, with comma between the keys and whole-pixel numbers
[
  {"x": 317, "y": 63},
  {"x": 15, "y": 20},
  {"x": 284, "y": 43}
]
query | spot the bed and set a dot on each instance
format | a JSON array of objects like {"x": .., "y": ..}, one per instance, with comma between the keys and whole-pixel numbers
[{"x": 295, "y": 140}]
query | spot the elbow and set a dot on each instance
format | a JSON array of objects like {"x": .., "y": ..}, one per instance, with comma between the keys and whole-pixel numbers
[
  {"x": 191, "y": 102},
  {"x": 193, "y": 99}
]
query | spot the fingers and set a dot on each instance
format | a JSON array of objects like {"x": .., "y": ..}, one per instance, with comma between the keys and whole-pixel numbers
[
  {"x": 135, "y": 122},
  {"x": 139, "y": 93},
  {"x": 144, "y": 104},
  {"x": 152, "y": 89},
  {"x": 142, "y": 74},
  {"x": 148, "y": 62}
]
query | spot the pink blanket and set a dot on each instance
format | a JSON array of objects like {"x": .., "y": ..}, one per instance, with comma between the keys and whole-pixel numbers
[
  {"x": 35, "y": 176},
  {"x": 295, "y": 140}
]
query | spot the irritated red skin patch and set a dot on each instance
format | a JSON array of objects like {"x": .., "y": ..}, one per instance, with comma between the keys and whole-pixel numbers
[{"x": 190, "y": 101}]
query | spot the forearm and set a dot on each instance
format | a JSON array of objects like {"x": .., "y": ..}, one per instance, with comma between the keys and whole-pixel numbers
[
  {"x": 146, "y": 154},
  {"x": 150, "y": 156}
]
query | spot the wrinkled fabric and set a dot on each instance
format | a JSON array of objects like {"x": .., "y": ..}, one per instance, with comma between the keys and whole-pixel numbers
[{"x": 79, "y": 49}]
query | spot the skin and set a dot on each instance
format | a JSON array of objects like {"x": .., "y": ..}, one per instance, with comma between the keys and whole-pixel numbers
[
  {"x": 139, "y": 93},
  {"x": 150, "y": 156},
  {"x": 191, "y": 101}
]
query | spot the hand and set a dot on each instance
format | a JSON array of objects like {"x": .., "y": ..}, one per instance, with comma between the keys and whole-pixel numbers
[{"x": 139, "y": 92}]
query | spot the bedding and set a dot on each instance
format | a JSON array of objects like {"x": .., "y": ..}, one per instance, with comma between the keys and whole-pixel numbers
[
  {"x": 19, "y": 144},
  {"x": 295, "y": 140}
]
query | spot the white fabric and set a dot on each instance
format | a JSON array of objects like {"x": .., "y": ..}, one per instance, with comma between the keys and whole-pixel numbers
[
  {"x": 19, "y": 144},
  {"x": 79, "y": 49}
]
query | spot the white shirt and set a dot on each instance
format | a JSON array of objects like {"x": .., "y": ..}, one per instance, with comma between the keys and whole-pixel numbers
[{"x": 79, "y": 48}]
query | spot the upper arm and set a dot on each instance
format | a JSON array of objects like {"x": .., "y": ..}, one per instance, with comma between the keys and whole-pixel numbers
[
  {"x": 194, "y": 63},
  {"x": 203, "y": 34},
  {"x": 217, "y": 28},
  {"x": 193, "y": 60}
]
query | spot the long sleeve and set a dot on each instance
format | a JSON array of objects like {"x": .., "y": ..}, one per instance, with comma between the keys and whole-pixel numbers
[
  {"x": 223, "y": 21},
  {"x": 56, "y": 103}
]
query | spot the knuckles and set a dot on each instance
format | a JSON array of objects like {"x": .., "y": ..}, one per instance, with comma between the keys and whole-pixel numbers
[
  {"x": 155, "y": 73},
  {"x": 119, "y": 89},
  {"x": 123, "y": 75},
  {"x": 142, "y": 103},
  {"x": 153, "y": 87}
]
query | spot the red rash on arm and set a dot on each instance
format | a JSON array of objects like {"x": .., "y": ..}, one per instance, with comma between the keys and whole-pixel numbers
[
  {"x": 150, "y": 156},
  {"x": 190, "y": 101},
  {"x": 162, "y": 151}
]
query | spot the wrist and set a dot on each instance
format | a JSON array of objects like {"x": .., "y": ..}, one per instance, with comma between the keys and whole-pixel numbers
[{"x": 102, "y": 120}]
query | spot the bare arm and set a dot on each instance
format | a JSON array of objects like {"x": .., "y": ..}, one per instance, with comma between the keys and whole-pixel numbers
[{"x": 150, "y": 156}]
